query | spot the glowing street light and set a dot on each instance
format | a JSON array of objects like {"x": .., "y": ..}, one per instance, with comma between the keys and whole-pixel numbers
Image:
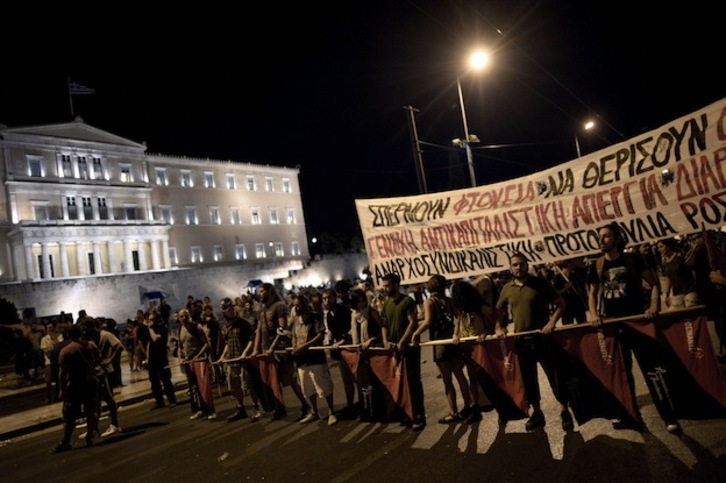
[
  {"x": 477, "y": 61},
  {"x": 587, "y": 126}
]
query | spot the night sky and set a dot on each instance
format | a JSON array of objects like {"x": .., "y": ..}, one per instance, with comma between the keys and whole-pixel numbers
[{"x": 322, "y": 85}]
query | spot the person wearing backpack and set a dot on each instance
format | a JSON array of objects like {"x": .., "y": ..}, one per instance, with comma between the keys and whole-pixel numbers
[
  {"x": 438, "y": 319},
  {"x": 615, "y": 281}
]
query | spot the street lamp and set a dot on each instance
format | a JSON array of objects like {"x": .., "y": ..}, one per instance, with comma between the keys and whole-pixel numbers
[
  {"x": 477, "y": 61},
  {"x": 588, "y": 125}
]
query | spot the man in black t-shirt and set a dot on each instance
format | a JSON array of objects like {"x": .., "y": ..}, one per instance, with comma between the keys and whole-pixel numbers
[{"x": 616, "y": 281}]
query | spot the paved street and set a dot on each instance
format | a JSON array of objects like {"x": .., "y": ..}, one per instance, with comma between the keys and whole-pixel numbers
[{"x": 165, "y": 445}]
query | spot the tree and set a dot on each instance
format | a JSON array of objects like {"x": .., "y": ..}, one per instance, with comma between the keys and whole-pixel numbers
[{"x": 8, "y": 312}]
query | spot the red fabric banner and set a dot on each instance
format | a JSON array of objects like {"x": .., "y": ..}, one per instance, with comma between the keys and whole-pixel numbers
[
  {"x": 498, "y": 358},
  {"x": 689, "y": 343},
  {"x": 390, "y": 370},
  {"x": 267, "y": 366},
  {"x": 602, "y": 356},
  {"x": 202, "y": 371}
]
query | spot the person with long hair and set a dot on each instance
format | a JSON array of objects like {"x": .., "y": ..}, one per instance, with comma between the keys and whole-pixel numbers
[{"x": 438, "y": 319}]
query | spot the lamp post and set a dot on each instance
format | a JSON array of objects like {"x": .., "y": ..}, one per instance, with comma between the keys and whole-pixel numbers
[
  {"x": 588, "y": 125},
  {"x": 477, "y": 61}
]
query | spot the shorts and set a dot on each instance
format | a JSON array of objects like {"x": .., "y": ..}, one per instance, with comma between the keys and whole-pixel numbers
[
  {"x": 237, "y": 377},
  {"x": 315, "y": 379}
]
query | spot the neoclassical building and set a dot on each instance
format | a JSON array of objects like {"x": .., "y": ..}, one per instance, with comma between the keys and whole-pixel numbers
[{"x": 77, "y": 202}]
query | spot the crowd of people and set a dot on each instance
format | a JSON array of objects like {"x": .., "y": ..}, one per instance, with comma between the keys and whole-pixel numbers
[{"x": 304, "y": 330}]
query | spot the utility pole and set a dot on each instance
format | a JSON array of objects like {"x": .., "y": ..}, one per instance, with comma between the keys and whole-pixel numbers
[{"x": 416, "y": 145}]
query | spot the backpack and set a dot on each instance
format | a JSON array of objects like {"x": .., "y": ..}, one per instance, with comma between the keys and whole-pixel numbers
[{"x": 444, "y": 327}]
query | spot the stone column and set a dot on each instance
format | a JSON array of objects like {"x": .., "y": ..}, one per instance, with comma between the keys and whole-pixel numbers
[
  {"x": 141, "y": 247},
  {"x": 112, "y": 262},
  {"x": 128, "y": 257},
  {"x": 30, "y": 262},
  {"x": 45, "y": 259},
  {"x": 97, "y": 258},
  {"x": 155, "y": 261},
  {"x": 62, "y": 247},
  {"x": 81, "y": 259}
]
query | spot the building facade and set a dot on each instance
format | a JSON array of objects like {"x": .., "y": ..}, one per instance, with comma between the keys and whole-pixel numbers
[{"x": 78, "y": 202}]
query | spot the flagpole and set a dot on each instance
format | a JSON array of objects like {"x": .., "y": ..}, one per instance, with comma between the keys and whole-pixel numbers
[{"x": 70, "y": 96}]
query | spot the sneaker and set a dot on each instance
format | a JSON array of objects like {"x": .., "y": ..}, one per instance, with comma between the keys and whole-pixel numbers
[
  {"x": 172, "y": 405},
  {"x": 673, "y": 427},
  {"x": 418, "y": 425},
  {"x": 85, "y": 433},
  {"x": 240, "y": 413},
  {"x": 567, "y": 423},
  {"x": 309, "y": 417},
  {"x": 61, "y": 447},
  {"x": 536, "y": 420},
  {"x": 256, "y": 416},
  {"x": 212, "y": 416},
  {"x": 332, "y": 420},
  {"x": 303, "y": 412},
  {"x": 196, "y": 415},
  {"x": 111, "y": 430}
]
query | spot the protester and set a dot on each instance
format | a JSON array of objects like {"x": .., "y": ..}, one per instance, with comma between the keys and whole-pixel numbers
[
  {"x": 439, "y": 319},
  {"x": 157, "y": 361},
  {"x": 193, "y": 349},
  {"x": 528, "y": 297},
  {"x": 238, "y": 337},
  {"x": 79, "y": 386},
  {"x": 274, "y": 333},
  {"x": 401, "y": 321},
  {"x": 615, "y": 291},
  {"x": 312, "y": 365}
]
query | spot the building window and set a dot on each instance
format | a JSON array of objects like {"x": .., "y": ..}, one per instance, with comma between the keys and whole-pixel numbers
[
  {"x": 255, "y": 216},
  {"x": 295, "y": 248},
  {"x": 161, "y": 178},
  {"x": 35, "y": 166},
  {"x": 40, "y": 210},
  {"x": 72, "y": 208},
  {"x": 279, "y": 250},
  {"x": 231, "y": 183},
  {"x": 274, "y": 220},
  {"x": 87, "y": 208},
  {"x": 67, "y": 165},
  {"x": 214, "y": 218},
  {"x": 126, "y": 173},
  {"x": 186, "y": 178},
  {"x": 130, "y": 212},
  {"x": 286, "y": 187},
  {"x": 251, "y": 185},
  {"x": 218, "y": 253},
  {"x": 197, "y": 254},
  {"x": 97, "y": 168},
  {"x": 208, "y": 179},
  {"x": 268, "y": 184},
  {"x": 191, "y": 215},
  {"x": 82, "y": 167},
  {"x": 234, "y": 217},
  {"x": 172, "y": 256},
  {"x": 260, "y": 250},
  {"x": 291, "y": 216},
  {"x": 165, "y": 215},
  {"x": 102, "y": 209},
  {"x": 239, "y": 251}
]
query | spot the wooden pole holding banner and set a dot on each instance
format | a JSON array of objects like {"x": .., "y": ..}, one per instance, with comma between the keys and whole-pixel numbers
[{"x": 695, "y": 308}]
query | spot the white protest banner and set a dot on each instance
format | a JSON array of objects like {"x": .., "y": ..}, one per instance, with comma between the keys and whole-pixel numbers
[{"x": 666, "y": 182}]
